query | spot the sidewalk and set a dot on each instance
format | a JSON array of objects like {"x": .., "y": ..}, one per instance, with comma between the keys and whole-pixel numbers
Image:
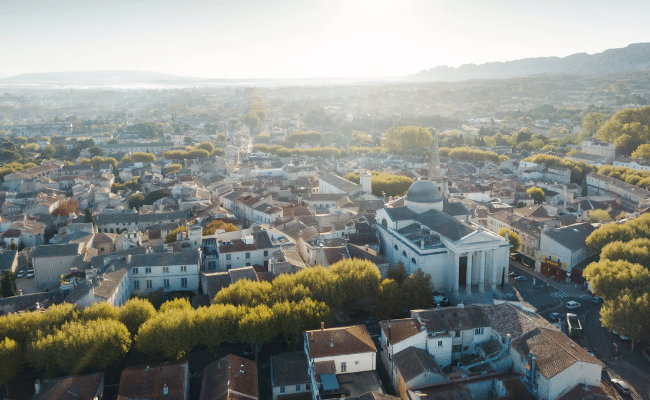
[{"x": 570, "y": 288}]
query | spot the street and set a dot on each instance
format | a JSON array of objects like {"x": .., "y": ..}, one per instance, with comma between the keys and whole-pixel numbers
[{"x": 549, "y": 296}]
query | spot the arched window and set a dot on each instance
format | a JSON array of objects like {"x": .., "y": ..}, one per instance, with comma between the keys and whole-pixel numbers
[
  {"x": 384, "y": 223},
  {"x": 395, "y": 247},
  {"x": 404, "y": 253},
  {"x": 413, "y": 260}
]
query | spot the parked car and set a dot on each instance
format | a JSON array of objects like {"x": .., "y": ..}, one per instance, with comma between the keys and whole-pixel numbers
[
  {"x": 437, "y": 299},
  {"x": 623, "y": 338},
  {"x": 521, "y": 278},
  {"x": 30, "y": 273},
  {"x": 555, "y": 316},
  {"x": 596, "y": 299},
  {"x": 514, "y": 274},
  {"x": 620, "y": 385},
  {"x": 572, "y": 305},
  {"x": 20, "y": 273}
]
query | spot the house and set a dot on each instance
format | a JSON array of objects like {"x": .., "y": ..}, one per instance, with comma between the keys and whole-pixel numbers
[
  {"x": 168, "y": 271},
  {"x": 230, "y": 378},
  {"x": 89, "y": 386},
  {"x": 338, "y": 358},
  {"x": 414, "y": 367},
  {"x": 565, "y": 246},
  {"x": 250, "y": 247},
  {"x": 8, "y": 261},
  {"x": 155, "y": 382},
  {"x": 53, "y": 260},
  {"x": 289, "y": 376},
  {"x": 553, "y": 363}
]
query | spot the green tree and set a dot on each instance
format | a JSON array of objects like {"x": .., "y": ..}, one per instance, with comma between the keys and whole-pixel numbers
[
  {"x": 180, "y": 303},
  {"x": 609, "y": 279},
  {"x": 257, "y": 327},
  {"x": 218, "y": 323},
  {"x": 513, "y": 238},
  {"x": 357, "y": 280},
  {"x": 172, "y": 237},
  {"x": 397, "y": 273},
  {"x": 585, "y": 188},
  {"x": 636, "y": 251},
  {"x": 171, "y": 333},
  {"x": 537, "y": 194},
  {"x": 628, "y": 314},
  {"x": 417, "y": 290},
  {"x": 136, "y": 200},
  {"x": 597, "y": 216},
  {"x": 7, "y": 284},
  {"x": 143, "y": 157},
  {"x": 11, "y": 361},
  {"x": 390, "y": 300},
  {"x": 643, "y": 151},
  {"x": 96, "y": 151},
  {"x": 80, "y": 346},
  {"x": 591, "y": 123},
  {"x": 294, "y": 318},
  {"x": 207, "y": 146},
  {"x": 99, "y": 311},
  {"x": 246, "y": 293},
  {"x": 173, "y": 168},
  {"x": 408, "y": 140},
  {"x": 134, "y": 313}
]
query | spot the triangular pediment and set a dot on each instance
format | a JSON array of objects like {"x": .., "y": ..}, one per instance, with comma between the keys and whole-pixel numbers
[{"x": 480, "y": 237}]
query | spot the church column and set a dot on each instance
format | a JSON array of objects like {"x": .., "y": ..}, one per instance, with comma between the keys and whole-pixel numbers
[
  {"x": 481, "y": 282},
  {"x": 493, "y": 281},
  {"x": 456, "y": 274},
  {"x": 468, "y": 277}
]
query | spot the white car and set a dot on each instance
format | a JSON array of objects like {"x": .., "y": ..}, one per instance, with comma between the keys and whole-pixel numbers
[{"x": 572, "y": 305}]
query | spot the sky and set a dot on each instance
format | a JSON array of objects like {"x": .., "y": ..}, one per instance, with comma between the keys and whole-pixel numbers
[{"x": 238, "y": 39}]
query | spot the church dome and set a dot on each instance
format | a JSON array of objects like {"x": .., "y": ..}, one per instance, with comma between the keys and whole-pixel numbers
[{"x": 423, "y": 191}]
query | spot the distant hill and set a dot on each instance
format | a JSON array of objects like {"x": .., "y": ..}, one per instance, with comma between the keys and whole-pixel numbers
[
  {"x": 635, "y": 57},
  {"x": 99, "y": 78}
]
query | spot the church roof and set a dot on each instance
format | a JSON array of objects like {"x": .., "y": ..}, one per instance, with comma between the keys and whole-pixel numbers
[
  {"x": 423, "y": 191},
  {"x": 444, "y": 224}
]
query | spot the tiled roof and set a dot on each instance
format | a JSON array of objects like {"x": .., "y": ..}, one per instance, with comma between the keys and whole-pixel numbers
[
  {"x": 452, "y": 318},
  {"x": 413, "y": 362},
  {"x": 289, "y": 369},
  {"x": 71, "y": 387},
  {"x": 57, "y": 250},
  {"x": 397, "y": 330},
  {"x": 553, "y": 350},
  {"x": 339, "y": 341},
  {"x": 147, "y": 382},
  {"x": 324, "y": 367},
  {"x": 230, "y": 378},
  {"x": 573, "y": 236}
]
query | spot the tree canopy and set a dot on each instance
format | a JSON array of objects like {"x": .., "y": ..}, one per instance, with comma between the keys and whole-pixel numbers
[
  {"x": 513, "y": 238},
  {"x": 384, "y": 184}
]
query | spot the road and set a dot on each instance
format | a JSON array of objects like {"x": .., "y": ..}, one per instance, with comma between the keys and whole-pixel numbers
[{"x": 608, "y": 348}]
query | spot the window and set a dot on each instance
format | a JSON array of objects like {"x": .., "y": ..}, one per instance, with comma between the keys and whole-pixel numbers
[
  {"x": 184, "y": 282},
  {"x": 307, "y": 386},
  {"x": 344, "y": 367},
  {"x": 413, "y": 260},
  {"x": 135, "y": 270},
  {"x": 147, "y": 270},
  {"x": 404, "y": 253},
  {"x": 136, "y": 285},
  {"x": 395, "y": 247},
  {"x": 439, "y": 343},
  {"x": 266, "y": 253},
  {"x": 165, "y": 269},
  {"x": 166, "y": 283},
  {"x": 248, "y": 255},
  {"x": 228, "y": 266},
  {"x": 298, "y": 388},
  {"x": 356, "y": 363},
  {"x": 149, "y": 284},
  {"x": 228, "y": 256},
  {"x": 283, "y": 389},
  {"x": 184, "y": 268},
  {"x": 478, "y": 331},
  {"x": 457, "y": 333}
]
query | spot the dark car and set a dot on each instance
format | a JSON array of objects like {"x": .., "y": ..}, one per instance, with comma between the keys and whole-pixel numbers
[
  {"x": 596, "y": 299},
  {"x": 514, "y": 274},
  {"x": 521, "y": 278},
  {"x": 622, "y": 386}
]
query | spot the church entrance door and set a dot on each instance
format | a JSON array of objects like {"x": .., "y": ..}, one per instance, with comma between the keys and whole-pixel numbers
[{"x": 462, "y": 271}]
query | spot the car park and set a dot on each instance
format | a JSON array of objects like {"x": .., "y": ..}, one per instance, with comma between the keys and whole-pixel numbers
[
  {"x": 521, "y": 278},
  {"x": 572, "y": 305},
  {"x": 20, "y": 273},
  {"x": 596, "y": 299},
  {"x": 555, "y": 316},
  {"x": 620, "y": 385}
]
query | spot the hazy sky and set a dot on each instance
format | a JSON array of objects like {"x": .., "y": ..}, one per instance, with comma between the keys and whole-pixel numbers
[{"x": 302, "y": 38}]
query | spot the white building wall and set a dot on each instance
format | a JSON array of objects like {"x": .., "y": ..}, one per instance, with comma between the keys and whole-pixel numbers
[
  {"x": 353, "y": 362},
  {"x": 442, "y": 353},
  {"x": 157, "y": 278}
]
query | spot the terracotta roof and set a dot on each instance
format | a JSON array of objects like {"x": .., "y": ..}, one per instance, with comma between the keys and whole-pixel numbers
[
  {"x": 324, "y": 367},
  {"x": 71, "y": 387},
  {"x": 400, "y": 329},
  {"x": 147, "y": 382},
  {"x": 413, "y": 362},
  {"x": 230, "y": 378},
  {"x": 338, "y": 341},
  {"x": 553, "y": 350},
  {"x": 290, "y": 369}
]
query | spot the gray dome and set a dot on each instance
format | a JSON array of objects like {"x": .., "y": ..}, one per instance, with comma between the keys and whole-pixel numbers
[{"x": 423, "y": 191}]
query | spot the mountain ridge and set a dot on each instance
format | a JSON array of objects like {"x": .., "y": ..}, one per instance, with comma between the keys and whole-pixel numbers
[{"x": 634, "y": 57}]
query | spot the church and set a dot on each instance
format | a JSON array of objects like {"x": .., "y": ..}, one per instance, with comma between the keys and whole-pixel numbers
[{"x": 438, "y": 237}]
